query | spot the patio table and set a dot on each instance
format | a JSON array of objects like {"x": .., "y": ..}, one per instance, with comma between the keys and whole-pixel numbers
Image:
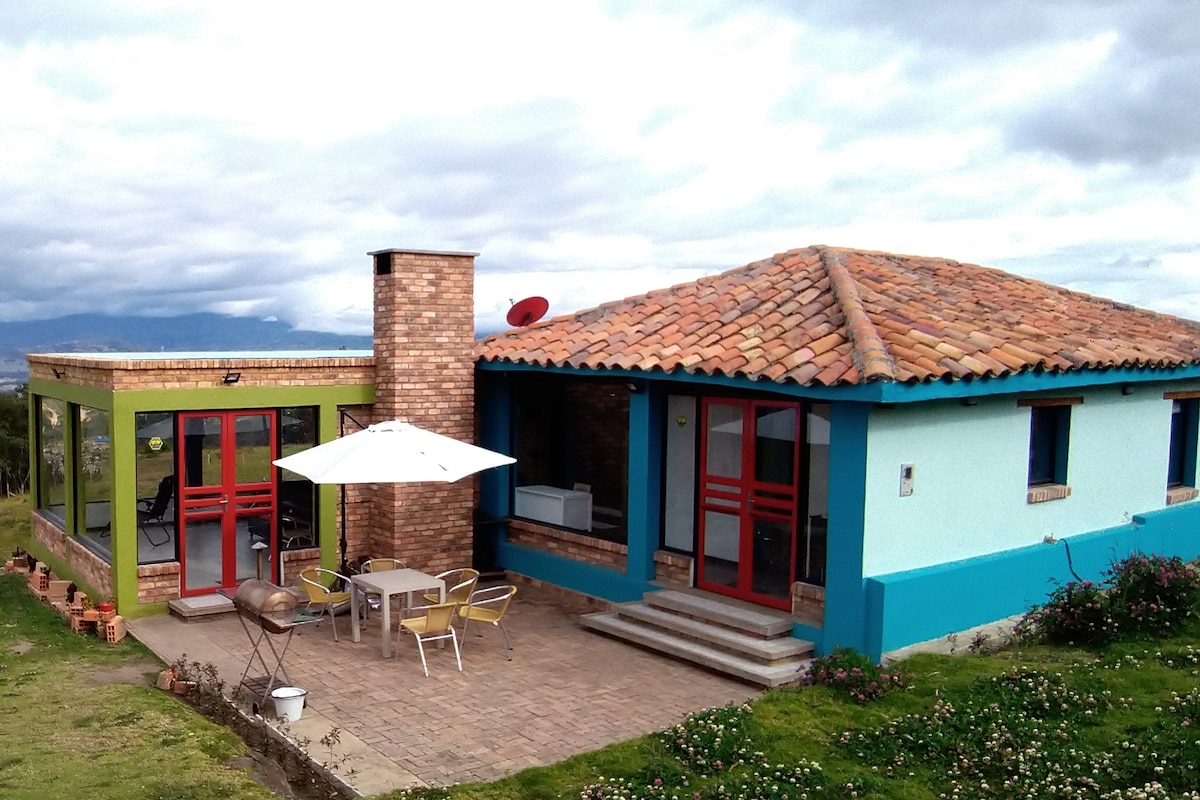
[{"x": 385, "y": 584}]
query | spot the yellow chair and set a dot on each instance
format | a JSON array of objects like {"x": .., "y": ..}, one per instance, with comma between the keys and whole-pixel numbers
[
  {"x": 436, "y": 623},
  {"x": 488, "y": 605},
  {"x": 378, "y": 565},
  {"x": 319, "y": 583},
  {"x": 459, "y": 585}
]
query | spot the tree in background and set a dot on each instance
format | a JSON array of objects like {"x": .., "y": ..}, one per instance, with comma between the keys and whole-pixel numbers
[{"x": 14, "y": 441}]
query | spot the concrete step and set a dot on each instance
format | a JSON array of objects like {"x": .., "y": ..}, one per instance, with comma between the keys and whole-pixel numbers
[
  {"x": 197, "y": 608},
  {"x": 752, "y": 620},
  {"x": 713, "y": 658},
  {"x": 756, "y": 648}
]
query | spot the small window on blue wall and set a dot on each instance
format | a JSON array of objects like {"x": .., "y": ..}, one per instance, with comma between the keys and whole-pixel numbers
[
  {"x": 1049, "y": 435},
  {"x": 1181, "y": 463}
]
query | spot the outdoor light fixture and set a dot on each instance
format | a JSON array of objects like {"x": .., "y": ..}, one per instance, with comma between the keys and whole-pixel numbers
[
  {"x": 58, "y": 373},
  {"x": 231, "y": 377},
  {"x": 1126, "y": 388}
]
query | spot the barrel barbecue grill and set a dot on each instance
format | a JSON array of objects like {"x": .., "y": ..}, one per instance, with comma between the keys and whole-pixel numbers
[{"x": 271, "y": 611}]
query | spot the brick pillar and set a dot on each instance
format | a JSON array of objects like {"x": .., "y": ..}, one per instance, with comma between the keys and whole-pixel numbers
[{"x": 424, "y": 374}]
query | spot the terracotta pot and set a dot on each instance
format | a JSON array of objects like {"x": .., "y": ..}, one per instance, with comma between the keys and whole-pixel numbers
[
  {"x": 184, "y": 687},
  {"x": 107, "y": 605}
]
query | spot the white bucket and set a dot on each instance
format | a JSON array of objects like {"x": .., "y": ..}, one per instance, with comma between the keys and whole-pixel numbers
[{"x": 289, "y": 702}]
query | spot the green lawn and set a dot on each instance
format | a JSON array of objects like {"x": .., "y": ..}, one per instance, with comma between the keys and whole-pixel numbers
[{"x": 80, "y": 720}]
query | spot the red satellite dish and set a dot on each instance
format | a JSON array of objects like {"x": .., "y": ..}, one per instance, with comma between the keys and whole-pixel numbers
[{"x": 527, "y": 311}]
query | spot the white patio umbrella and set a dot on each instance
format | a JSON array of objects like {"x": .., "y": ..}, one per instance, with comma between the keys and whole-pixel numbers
[{"x": 391, "y": 452}]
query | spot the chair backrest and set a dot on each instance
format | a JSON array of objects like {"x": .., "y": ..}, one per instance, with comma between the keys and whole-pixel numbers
[
  {"x": 166, "y": 488},
  {"x": 438, "y": 618},
  {"x": 310, "y": 579},
  {"x": 460, "y": 583},
  {"x": 490, "y": 603},
  {"x": 382, "y": 564}
]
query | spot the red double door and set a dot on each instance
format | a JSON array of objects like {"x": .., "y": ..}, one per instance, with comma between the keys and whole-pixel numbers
[
  {"x": 748, "y": 499},
  {"x": 226, "y": 498}
]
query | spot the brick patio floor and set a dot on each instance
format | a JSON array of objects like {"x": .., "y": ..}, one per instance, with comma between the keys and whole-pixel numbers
[{"x": 566, "y": 691}]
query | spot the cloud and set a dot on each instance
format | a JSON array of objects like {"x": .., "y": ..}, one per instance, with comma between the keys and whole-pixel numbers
[{"x": 223, "y": 157}]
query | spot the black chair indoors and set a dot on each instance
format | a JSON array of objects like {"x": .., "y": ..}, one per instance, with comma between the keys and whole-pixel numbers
[{"x": 153, "y": 511}]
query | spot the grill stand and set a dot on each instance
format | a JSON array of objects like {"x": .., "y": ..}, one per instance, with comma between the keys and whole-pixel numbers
[{"x": 260, "y": 687}]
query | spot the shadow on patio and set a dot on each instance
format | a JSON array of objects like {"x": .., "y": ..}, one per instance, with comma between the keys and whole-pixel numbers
[{"x": 566, "y": 691}]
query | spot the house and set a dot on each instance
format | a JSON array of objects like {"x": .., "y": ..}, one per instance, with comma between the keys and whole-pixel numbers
[
  {"x": 892, "y": 448},
  {"x": 881, "y": 448}
]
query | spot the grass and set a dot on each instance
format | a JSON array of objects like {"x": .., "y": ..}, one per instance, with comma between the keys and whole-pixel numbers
[
  {"x": 79, "y": 718},
  {"x": 1028, "y": 721}
]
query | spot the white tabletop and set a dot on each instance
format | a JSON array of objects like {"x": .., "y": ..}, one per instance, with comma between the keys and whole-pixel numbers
[
  {"x": 396, "y": 581},
  {"x": 387, "y": 583}
]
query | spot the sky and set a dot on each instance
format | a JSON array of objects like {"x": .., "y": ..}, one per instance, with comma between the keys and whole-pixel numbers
[{"x": 242, "y": 157}]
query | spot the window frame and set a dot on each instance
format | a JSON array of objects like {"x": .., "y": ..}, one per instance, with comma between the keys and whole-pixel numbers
[
  {"x": 1183, "y": 436},
  {"x": 1049, "y": 447}
]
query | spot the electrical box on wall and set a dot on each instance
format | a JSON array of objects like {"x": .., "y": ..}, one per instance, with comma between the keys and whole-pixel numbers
[{"x": 906, "y": 480}]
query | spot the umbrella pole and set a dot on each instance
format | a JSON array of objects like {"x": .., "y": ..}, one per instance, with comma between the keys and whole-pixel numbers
[{"x": 342, "y": 417}]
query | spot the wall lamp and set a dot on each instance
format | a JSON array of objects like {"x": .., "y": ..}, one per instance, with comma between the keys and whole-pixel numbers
[
  {"x": 58, "y": 373},
  {"x": 231, "y": 377},
  {"x": 1126, "y": 388}
]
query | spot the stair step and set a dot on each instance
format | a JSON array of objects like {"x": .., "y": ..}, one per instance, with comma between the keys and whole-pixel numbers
[
  {"x": 192, "y": 608},
  {"x": 763, "y": 650},
  {"x": 751, "y": 620},
  {"x": 611, "y": 623}
]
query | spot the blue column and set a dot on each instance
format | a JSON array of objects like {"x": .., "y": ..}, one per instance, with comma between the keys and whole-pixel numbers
[
  {"x": 493, "y": 404},
  {"x": 645, "y": 479},
  {"x": 845, "y": 598}
]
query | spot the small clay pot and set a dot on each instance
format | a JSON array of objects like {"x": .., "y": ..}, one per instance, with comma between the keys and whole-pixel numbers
[{"x": 107, "y": 605}]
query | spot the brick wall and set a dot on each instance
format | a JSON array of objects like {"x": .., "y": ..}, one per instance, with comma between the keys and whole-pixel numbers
[
  {"x": 295, "y": 561},
  {"x": 158, "y": 583},
  {"x": 808, "y": 604},
  {"x": 569, "y": 545},
  {"x": 192, "y": 373},
  {"x": 674, "y": 569},
  {"x": 82, "y": 563},
  {"x": 424, "y": 373}
]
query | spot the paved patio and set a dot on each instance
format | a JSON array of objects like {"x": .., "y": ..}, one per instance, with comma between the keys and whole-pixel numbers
[{"x": 566, "y": 691}]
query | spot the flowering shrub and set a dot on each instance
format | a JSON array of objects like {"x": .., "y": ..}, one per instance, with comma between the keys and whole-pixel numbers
[
  {"x": 1076, "y": 613},
  {"x": 1152, "y": 593},
  {"x": 1144, "y": 595},
  {"x": 711, "y": 740},
  {"x": 845, "y": 668}
]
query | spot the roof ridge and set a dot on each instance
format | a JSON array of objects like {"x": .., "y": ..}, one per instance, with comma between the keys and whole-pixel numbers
[{"x": 870, "y": 354}]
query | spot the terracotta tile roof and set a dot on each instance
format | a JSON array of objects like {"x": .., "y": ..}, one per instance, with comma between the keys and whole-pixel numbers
[{"x": 829, "y": 316}]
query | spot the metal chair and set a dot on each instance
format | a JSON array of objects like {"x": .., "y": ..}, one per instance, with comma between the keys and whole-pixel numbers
[
  {"x": 323, "y": 597},
  {"x": 151, "y": 512},
  {"x": 378, "y": 565},
  {"x": 488, "y": 605},
  {"x": 459, "y": 585},
  {"x": 436, "y": 623}
]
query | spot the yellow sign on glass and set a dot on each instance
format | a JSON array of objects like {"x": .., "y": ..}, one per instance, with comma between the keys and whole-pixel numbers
[{"x": 155, "y": 444}]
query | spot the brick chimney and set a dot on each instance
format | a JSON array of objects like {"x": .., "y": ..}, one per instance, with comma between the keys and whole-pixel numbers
[{"x": 425, "y": 374}]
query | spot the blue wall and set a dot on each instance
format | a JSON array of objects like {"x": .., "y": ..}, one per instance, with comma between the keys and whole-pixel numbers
[{"x": 903, "y": 608}]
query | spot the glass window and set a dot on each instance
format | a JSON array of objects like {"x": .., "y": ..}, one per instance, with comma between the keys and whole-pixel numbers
[
  {"x": 1049, "y": 433},
  {"x": 573, "y": 434},
  {"x": 52, "y": 468},
  {"x": 155, "y": 476},
  {"x": 95, "y": 469},
  {"x": 297, "y": 494},
  {"x": 1181, "y": 462},
  {"x": 813, "y": 541}
]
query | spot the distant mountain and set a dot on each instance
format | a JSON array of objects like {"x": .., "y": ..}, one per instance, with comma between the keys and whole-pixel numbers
[{"x": 97, "y": 333}]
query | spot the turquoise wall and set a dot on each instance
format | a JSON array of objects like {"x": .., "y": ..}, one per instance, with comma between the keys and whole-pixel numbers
[
  {"x": 970, "y": 468},
  {"x": 917, "y": 605}
]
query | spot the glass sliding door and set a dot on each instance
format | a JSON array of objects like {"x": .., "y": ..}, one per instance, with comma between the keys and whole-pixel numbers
[
  {"x": 227, "y": 498},
  {"x": 748, "y": 498}
]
